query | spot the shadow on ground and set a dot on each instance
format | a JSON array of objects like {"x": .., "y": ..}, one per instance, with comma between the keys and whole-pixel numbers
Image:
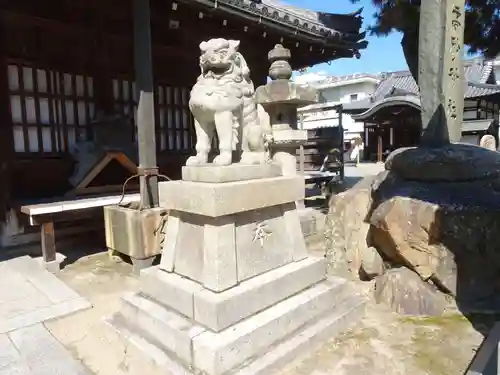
[{"x": 73, "y": 248}]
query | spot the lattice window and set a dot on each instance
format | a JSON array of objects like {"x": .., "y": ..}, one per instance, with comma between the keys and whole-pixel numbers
[
  {"x": 173, "y": 118},
  {"x": 50, "y": 109},
  {"x": 125, "y": 97},
  {"x": 125, "y": 100}
]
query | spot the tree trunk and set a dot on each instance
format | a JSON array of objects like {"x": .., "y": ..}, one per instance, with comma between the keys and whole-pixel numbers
[{"x": 409, "y": 42}]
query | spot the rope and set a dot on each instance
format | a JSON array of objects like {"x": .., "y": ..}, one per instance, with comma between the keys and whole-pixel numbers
[{"x": 145, "y": 174}]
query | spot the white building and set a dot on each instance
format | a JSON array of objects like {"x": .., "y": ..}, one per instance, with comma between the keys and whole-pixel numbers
[
  {"x": 496, "y": 69},
  {"x": 332, "y": 92}
]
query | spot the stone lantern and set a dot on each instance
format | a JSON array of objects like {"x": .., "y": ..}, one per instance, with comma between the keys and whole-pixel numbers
[{"x": 280, "y": 98}]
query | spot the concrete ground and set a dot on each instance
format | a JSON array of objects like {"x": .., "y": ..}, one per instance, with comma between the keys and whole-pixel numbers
[
  {"x": 30, "y": 295},
  {"x": 388, "y": 344},
  {"x": 382, "y": 344},
  {"x": 102, "y": 280},
  {"x": 33, "y": 350},
  {"x": 355, "y": 173}
]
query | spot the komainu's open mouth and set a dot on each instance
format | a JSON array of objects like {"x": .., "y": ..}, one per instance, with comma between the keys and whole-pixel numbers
[{"x": 217, "y": 70}]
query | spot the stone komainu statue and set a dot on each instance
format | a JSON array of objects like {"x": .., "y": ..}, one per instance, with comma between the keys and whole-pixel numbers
[
  {"x": 488, "y": 142},
  {"x": 222, "y": 100}
]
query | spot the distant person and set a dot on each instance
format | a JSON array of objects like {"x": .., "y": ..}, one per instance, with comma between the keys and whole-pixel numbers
[{"x": 357, "y": 150}]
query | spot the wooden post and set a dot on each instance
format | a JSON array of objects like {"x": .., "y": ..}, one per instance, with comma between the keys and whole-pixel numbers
[
  {"x": 146, "y": 136},
  {"x": 379, "y": 145},
  {"x": 48, "y": 242},
  {"x": 6, "y": 131}
]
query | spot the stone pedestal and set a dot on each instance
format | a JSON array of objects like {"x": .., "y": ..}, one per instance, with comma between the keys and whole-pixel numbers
[
  {"x": 233, "y": 230},
  {"x": 236, "y": 291}
]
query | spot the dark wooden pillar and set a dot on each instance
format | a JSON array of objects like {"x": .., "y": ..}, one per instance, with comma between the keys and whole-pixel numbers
[
  {"x": 146, "y": 137},
  {"x": 379, "y": 143},
  {"x": 103, "y": 92},
  {"x": 6, "y": 131},
  {"x": 366, "y": 145}
]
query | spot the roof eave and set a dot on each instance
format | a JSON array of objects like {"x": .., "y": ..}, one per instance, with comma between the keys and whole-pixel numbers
[
  {"x": 329, "y": 37},
  {"x": 481, "y": 90},
  {"x": 410, "y": 101}
]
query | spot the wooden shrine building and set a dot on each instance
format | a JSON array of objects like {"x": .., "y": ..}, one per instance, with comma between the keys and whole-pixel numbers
[
  {"x": 391, "y": 115},
  {"x": 67, "y": 71}
]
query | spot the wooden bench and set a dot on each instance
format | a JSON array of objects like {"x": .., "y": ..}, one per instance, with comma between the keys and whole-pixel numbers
[{"x": 43, "y": 215}]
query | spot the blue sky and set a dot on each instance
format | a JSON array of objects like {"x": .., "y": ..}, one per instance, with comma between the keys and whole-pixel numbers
[{"x": 383, "y": 54}]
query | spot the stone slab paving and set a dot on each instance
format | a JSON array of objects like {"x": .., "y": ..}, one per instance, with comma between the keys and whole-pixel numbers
[
  {"x": 30, "y": 294},
  {"x": 34, "y": 351}
]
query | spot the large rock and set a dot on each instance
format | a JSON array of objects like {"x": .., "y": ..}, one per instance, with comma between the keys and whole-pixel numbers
[
  {"x": 347, "y": 228},
  {"x": 405, "y": 292},
  {"x": 446, "y": 232},
  {"x": 435, "y": 212},
  {"x": 406, "y": 231},
  {"x": 372, "y": 264}
]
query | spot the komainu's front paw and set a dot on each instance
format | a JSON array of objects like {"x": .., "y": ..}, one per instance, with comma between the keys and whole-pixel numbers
[
  {"x": 198, "y": 159},
  {"x": 224, "y": 158},
  {"x": 252, "y": 158}
]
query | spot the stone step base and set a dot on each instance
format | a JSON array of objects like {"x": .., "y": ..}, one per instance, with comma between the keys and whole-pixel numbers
[
  {"x": 218, "y": 311},
  {"x": 256, "y": 345}
]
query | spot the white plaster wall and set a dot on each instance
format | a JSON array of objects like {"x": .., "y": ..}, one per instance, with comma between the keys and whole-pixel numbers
[
  {"x": 339, "y": 95},
  {"x": 496, "y": 70},
  {"x": 342, "y": 94}
]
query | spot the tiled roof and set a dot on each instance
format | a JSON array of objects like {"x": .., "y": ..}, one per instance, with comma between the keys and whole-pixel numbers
[
  {"x": 325, "y": 27},
  {"x": 325, "y": 24},
  {"x": 477, "y": 72},
  {"x": 477, "y": 90}
]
